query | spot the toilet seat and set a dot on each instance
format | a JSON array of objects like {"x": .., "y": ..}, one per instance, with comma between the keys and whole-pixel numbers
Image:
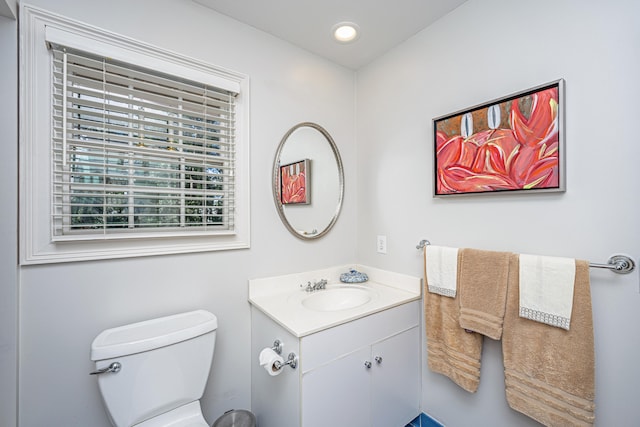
[{"x": 189, "y": 415}]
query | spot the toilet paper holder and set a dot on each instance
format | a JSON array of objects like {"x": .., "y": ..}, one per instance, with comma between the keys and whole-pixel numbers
[
  {"x": 292, "y": 361},
  {"x": 277, "y": 346}
]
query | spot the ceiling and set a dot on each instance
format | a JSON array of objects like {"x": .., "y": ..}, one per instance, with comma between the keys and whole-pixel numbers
[
  {"x": 308, "y": 24},
  {"x": 8, "y": 9}
]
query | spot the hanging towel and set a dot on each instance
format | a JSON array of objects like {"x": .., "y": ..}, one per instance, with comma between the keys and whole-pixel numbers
[
  {"x": 442, "y": 270},
  {"x": 550, "y": 372},
  {"x": 450, "y": 350},
  {"x": 482, "y": 283},
  {"x": 546, "y": 289}
]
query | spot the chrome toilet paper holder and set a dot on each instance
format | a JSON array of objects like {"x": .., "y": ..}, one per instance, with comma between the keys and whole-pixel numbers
[{"x": 292, "y": 361}]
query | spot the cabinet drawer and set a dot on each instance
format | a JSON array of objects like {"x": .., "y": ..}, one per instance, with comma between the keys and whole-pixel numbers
[{"x": 330, "y": 344}]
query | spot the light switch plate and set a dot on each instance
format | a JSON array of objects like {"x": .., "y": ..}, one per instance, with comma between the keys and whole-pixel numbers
[{"x": 381, "y": 244}]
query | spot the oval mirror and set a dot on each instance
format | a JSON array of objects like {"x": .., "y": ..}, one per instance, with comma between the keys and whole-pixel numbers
[{"x": 308, "y": 181}]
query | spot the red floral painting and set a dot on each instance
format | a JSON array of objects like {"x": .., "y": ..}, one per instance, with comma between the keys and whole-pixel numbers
[
  {"x": 510, "y": 144},
  {"x": 294, "y": 188}
]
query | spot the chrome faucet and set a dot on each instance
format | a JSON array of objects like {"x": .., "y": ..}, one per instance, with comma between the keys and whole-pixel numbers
[{"x": 322, "y": 284}]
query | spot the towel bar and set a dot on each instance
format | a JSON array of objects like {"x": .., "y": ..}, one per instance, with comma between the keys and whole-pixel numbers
[{"x": 620, "y": 264}]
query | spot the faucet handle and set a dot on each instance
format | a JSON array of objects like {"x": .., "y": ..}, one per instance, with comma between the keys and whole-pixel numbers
[{"x": 320, "y": 284}]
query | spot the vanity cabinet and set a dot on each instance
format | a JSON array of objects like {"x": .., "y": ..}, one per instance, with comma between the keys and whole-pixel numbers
[
  {"x": 365, "y": 372},
  {"x": 374, "y": 386},
  {"x": 338, "y": 393},
  {"x": 396, "y": 380}
]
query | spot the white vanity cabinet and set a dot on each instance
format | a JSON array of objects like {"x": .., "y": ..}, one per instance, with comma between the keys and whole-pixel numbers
[
  {"x": 365, "y": 372},
  {"x": 338, "y": 393},
  {"x": 396, "y": 380},
  {"x": 347, "y": 392}
]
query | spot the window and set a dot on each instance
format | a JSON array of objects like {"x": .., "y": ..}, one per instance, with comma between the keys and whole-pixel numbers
[
  {"x": 147, "y": 151},
  {"x": 135, "y": 150}
]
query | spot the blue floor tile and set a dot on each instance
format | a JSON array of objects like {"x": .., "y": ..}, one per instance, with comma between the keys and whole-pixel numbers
[
  {"x": 415, "y": 422},
  {"x": 424, "y": 420},
  {"x": 427, "y": 421}
]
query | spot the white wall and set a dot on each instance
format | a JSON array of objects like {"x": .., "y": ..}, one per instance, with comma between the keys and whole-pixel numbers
[
  {"x": 483, "y": 50},
  {"x": 9, "y": 222},
  {"x": 63, "y": 307}
]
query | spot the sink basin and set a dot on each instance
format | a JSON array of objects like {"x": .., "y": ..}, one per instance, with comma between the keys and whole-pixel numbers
[{"x": 336, "y": 299}]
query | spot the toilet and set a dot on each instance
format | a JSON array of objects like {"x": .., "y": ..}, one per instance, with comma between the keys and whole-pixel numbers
[{"x": 153, "y": 373}]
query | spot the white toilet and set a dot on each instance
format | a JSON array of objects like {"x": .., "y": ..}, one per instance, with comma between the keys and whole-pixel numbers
[{"x": 153, "y": 373}]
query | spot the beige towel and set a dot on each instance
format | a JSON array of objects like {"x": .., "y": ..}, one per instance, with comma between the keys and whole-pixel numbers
[
  {"x": 450, "y": 350},
  {"x": 482, "y": 284},
  {"x": 549, "y": 372}
]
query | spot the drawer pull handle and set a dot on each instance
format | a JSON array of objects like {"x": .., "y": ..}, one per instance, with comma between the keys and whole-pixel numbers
[
  {"x": 367, "y": 364},
  {"x": 378, "y": 360}
]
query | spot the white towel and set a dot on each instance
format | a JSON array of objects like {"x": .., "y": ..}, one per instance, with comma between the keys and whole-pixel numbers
[
  {"x": 442, "y": 270},
  {"x": 546, "y": 289}
]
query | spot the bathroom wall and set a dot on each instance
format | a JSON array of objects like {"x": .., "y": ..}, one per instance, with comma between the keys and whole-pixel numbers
[
  {"x": 480, "y": 51},
  {"x": 63, "y": 307},
  {"x": 8, "y": 215},
  {"x": 483, "y": 50}
]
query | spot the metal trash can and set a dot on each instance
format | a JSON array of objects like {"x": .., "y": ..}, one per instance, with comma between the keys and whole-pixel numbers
[{"x": 236, "y": 418}]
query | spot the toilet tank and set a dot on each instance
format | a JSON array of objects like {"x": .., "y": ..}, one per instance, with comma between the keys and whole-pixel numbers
[{"x": 165, "y": 364}]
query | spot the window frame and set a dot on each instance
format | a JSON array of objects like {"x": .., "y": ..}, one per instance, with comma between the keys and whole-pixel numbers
[{"x": 37, "y": 243}]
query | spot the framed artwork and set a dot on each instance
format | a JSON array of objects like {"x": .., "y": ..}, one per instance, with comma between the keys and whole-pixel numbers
[
  {"x": 511, "y": 144},
  {"x": 294, "y": 183}
]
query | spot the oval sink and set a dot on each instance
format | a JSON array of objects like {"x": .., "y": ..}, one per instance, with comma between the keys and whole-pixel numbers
[{"x": 336, "y": 299}]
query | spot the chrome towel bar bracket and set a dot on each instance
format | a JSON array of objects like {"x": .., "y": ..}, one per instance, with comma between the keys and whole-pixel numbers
[
  {"x": 618, "y": 263},
  {"x": 422, "y": 244}
]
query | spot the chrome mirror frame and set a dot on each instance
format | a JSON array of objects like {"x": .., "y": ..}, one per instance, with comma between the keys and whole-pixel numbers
[{"x": 275, "y": 181}]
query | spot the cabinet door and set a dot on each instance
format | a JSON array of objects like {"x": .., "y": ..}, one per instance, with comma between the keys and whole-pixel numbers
[
  {"x": 338, "y": 394},
  {"x": 396, "y": 379}
]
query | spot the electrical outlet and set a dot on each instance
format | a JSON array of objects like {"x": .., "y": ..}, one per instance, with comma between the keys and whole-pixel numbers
[{"x": 381, "y": 244}]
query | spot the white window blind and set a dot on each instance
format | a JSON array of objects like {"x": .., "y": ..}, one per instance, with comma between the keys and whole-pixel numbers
[{"x": 138, "y": 153}]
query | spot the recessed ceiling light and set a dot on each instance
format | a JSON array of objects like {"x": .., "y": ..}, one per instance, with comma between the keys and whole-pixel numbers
[{"x": 346, "y": 32}]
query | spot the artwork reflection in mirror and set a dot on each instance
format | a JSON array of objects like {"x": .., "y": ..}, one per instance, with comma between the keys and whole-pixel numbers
[{"x": 294, "y": 183}]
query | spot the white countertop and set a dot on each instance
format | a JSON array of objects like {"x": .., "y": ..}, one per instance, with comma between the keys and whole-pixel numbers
[{"x": 281, "y": 297}]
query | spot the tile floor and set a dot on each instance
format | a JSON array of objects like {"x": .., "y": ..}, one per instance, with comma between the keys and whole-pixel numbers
[{"x": 424, "y": 420}]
